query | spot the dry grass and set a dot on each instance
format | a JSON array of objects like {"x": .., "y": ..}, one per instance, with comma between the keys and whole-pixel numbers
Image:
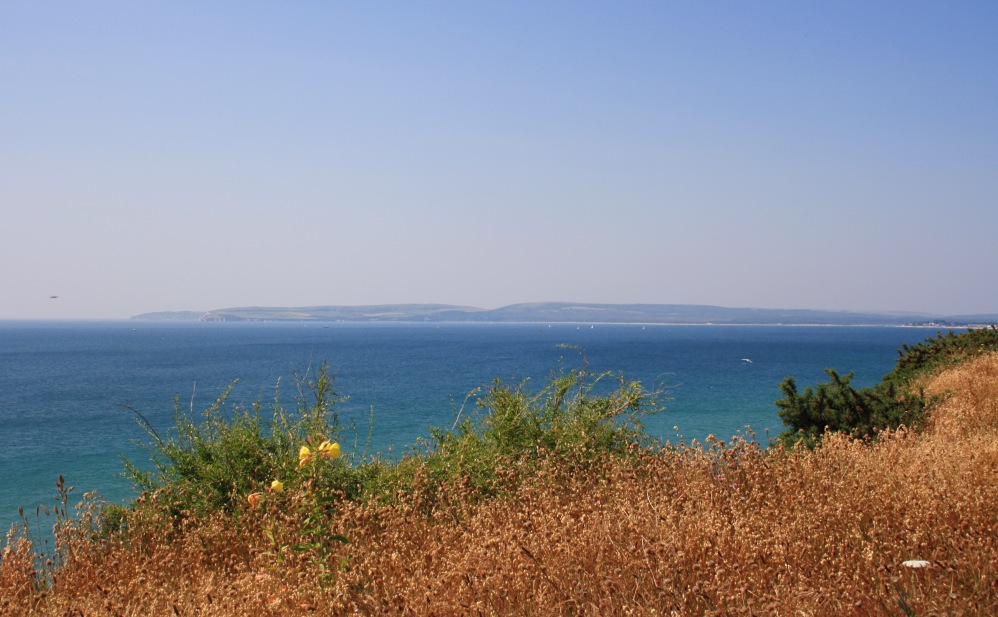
[{"x": 720, "y": 529}]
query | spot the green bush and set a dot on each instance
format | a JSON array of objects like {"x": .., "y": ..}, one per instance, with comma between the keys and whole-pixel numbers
[
  {"x": 211, "y": 463},
  {"x": 577, "y": 417},
  {"x": 941, "y": 351},
  {"x": 837, "y": 406},
  {"x": 896, "y": 401}
]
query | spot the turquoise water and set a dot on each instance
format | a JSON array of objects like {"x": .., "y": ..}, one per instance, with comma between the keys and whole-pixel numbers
[{"x": 62, "y": 385}]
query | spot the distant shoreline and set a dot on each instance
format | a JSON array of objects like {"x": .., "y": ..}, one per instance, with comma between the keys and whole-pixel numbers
[{"x": 572, "y": 313}]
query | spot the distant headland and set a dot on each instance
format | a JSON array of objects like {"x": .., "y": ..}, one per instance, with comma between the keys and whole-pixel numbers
[{"x": 567, "y": 312}]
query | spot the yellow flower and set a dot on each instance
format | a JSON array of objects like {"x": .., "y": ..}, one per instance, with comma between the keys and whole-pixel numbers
[
  {"x": 325, "y": 450},
  {"x": 304, "y": 456},
  {"x": 277, "y": 486},
  {"x": 329, "y": 450},
  {"x": 254, "y": 500}
]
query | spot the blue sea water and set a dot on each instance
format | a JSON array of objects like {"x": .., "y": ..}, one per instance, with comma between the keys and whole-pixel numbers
[{"x": 63, "y": 385}]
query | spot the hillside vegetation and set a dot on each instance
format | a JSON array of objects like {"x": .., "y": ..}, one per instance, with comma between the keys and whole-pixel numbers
[{"x": 546, "y": 503}]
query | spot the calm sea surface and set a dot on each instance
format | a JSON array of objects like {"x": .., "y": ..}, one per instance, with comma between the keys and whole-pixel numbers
[{"x": 62, "y": 385}]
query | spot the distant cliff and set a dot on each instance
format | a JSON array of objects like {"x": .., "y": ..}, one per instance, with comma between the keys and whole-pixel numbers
[{"x": 567, "y": 312}]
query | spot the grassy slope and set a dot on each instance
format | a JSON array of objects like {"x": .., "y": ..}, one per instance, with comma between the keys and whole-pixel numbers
[{"x": 722, "y": 529}]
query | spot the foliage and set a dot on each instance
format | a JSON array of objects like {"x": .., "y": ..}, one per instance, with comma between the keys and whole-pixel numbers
[
  {"x": 577, "y": 417},
  {"x": 230, "y": 461},
  {"x": 837, "y": 406},
  {"x": 210, "y": 464},
  {"x": 286, "y": 472},
  {"x": 729, "y": 529},
  {"x": 942, "y": 351}
]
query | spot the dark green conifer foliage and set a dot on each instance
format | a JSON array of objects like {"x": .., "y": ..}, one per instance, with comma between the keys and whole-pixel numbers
[{"x": 836, "y": 405}]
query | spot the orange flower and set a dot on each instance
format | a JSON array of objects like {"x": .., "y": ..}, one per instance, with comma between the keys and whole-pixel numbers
[{"x": 254, "y": 500}]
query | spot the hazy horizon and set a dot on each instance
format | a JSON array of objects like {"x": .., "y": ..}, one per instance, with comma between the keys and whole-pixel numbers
[
  {"x": 775, "y": 155},
  {"x": 547, "y": 305}
]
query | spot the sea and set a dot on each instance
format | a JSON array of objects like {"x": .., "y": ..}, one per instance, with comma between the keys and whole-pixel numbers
[{"x": 69, "y": 391}]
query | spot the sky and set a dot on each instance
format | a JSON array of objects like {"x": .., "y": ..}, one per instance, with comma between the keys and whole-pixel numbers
[{"x": 198, "y": 156}]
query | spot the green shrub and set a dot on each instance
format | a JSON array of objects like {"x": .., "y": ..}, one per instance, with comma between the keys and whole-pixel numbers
[
  {"x": 577, "y": 417},
  {"x": 896, "y": 401},
  {"x": 211, "y": 463},
  {"x": 837, "y": 406},
  {"x": 225, "y": 461},
  {"x": 941, "y": 351}
]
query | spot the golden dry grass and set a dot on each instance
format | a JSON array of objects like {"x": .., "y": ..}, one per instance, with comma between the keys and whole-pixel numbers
[{"x": 720, "y": 529}]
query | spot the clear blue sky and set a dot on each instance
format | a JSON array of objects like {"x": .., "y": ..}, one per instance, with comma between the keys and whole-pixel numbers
[{"x": 191, "y": 155}]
